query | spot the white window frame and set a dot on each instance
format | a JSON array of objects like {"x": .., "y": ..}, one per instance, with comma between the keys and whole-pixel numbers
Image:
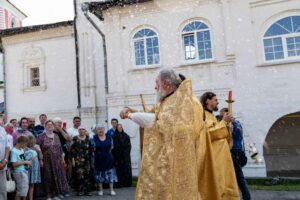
[
  {"x": 33, "y": 57},
  {"x": 146, "y": 65},
  {"x": 284, "y": 46},
  {"x": 196, "y": 60}
]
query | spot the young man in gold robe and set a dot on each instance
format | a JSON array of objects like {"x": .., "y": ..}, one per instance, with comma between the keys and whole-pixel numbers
[
  {"x": 221, "y": 141},
  {"x": 177, "y": 162}
]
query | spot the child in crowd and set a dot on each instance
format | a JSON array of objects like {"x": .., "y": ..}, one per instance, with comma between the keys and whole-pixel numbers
[
  {"x": 20, "y": 168},
  {"x": 34, "y": 155}
]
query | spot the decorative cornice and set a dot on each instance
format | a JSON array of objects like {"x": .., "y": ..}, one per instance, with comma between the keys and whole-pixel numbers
[
  {"x": 259, "y": 3},
  {"x": 35, "y": 88},
  {"x": 50, "y": 34}
]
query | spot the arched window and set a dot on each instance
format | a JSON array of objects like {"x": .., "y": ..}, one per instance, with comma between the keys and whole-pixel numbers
[
  {"x": 196, "y": 41},
  {"x": 282, "y": 39},
  {"x": 146, "y": 48}
]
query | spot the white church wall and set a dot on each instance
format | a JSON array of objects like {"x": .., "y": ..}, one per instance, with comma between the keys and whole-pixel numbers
[
  {"x": 57, "y": 96},
  {"x": 92, "y": 69},
  {"x": 1, "y": 94},
  {"x": 123, "y": 23},
  {"x": 266, "y": 92},
  {"x": 262, "y": 93},
  {"x": 91, "y": 57}
]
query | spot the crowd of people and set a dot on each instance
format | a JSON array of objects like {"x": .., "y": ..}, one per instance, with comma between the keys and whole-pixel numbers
[
  {"x": 49, "y": 160},
  {"x": 180, "y": 131}
]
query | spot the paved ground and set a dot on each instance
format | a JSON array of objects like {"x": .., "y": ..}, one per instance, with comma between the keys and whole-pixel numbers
[
  {"x": 128, "y": 194},
  {"x": 122, "y": 194},
  {"x": 274, "y": 195}
]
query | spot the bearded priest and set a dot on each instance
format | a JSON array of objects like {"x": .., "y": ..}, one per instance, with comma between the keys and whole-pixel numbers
[{"x": 177, "y": 162}]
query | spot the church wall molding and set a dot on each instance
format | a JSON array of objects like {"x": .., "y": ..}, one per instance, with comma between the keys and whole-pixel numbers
[{"x": 262, "y": 3}]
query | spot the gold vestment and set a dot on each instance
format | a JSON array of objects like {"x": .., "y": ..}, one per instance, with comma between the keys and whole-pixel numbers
[
  {"x": 220, "y": 139},
  {"x": 177, "y": 162}
]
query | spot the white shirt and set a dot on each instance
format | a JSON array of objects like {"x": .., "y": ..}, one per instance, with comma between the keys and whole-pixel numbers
[
  {"x": 3, "y": 143},
  {"x": 10, "y": 141},
  {"x": 72, "y": 132},
  {"x": 144, "y": 120}
]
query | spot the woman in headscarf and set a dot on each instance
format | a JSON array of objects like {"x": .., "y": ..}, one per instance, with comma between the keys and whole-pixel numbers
[
  {"x": 104, "y": 171},
  {"x": 121, "y": 153},
  {"x": 81, "y": 162},
  {"x": 54, "y": 175}
]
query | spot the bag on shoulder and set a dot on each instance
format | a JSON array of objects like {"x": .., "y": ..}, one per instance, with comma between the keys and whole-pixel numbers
[
  {"x": 240, "y": 157},
  {"x": 10, "y": 184}
]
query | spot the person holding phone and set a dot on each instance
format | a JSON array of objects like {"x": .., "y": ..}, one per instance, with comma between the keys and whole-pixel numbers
[{"x": 65, "y": 140}]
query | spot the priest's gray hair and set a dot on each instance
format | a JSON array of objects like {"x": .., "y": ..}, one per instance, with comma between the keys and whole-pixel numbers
[{"x": 169, "y": 76}]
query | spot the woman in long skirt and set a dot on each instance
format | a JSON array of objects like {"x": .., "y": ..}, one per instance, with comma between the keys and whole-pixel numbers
[
  {"x": 104, "y": 171},
  {"x": 81, "y": 162},
  {"x": 54, "y": 176},
  {"x": 121, "y": 153}
]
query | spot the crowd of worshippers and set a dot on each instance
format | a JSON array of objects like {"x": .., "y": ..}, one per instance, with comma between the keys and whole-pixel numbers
[{"x": 48, "y": 160}]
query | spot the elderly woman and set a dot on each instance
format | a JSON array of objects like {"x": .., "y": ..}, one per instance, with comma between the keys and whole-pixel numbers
[
  {"x": 64, "y": 138},
  {"x": 54, "y": 174},
  {"x": 81, "y": 162},
  {"x": 104, "y": 170}
]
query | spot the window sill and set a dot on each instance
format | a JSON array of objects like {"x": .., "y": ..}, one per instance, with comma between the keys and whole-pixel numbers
[
  {"x": 141, "y": 68},
  {"x": 197, "y": 63},
  {"x": 35, "y": 89},
  {"x": 284, "y": 62}
]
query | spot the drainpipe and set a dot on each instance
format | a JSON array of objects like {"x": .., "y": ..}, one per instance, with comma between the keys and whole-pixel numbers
[
  {"x": 77, "y": 61},
  {"x": 85, "y": 8}
]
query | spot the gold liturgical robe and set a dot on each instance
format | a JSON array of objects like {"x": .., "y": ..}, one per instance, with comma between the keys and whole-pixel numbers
[
  {"x": 221, "y": 138},
  {"x": 177, "y": 161}
]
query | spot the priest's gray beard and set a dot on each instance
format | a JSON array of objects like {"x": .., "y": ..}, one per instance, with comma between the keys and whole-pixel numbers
[{"x": 160, "y": 95}]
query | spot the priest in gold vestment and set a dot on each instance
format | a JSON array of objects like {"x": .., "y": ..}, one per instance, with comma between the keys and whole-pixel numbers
[
  {"x": 177, "y": 162},
  {"x": 221, "y": 144}
]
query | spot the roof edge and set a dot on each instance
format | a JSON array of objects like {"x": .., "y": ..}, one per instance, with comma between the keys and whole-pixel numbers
[
  {"x": 29, "y": 29},
  {"x": 13, "y": 5},
  {"x": 96, "y": 7}
]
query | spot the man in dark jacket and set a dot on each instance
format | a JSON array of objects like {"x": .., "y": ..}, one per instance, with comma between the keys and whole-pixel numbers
[{"x": 238, "y": 155}]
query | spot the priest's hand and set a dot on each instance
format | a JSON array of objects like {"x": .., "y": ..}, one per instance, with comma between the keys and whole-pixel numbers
[
  {"x": 227, "y": 117},
  {"x": 124, "y": 113}
]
